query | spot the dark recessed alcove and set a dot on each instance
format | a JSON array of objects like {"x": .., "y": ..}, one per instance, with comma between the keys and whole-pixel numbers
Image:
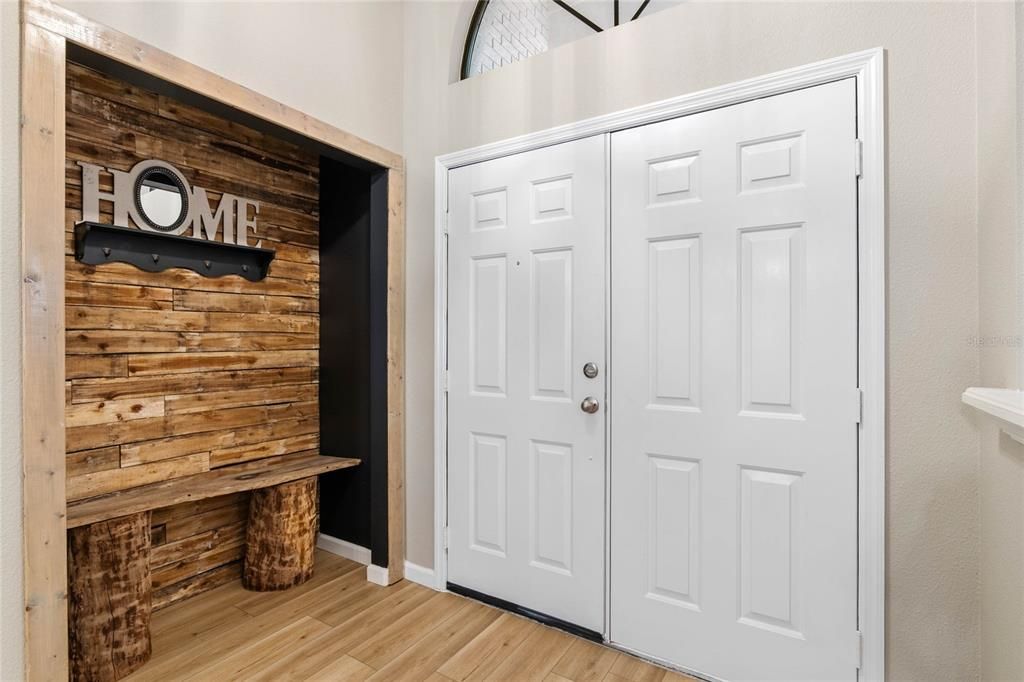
[{"x": 353, "y": 338}]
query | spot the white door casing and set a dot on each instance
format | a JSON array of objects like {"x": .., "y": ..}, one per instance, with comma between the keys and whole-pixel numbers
[
  {"x": 734, "y": 388},
  {"x": 526, "y": 310}
]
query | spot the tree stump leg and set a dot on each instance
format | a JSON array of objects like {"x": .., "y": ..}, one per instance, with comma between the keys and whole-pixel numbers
[
  {"x": 281, "y": 535},
  {"x": 109, "y": 598}
]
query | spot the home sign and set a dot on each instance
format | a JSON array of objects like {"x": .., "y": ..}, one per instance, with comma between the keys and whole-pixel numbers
[
  {"x": 178, "y": 228},
  {"x": 158, "y": 198}
]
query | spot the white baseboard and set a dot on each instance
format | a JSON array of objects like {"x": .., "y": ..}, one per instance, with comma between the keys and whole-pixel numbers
[
  {"x": 343, "y": 548},
  {"x": 378, "y": 575},
  {"x": 418, "y": 574}
]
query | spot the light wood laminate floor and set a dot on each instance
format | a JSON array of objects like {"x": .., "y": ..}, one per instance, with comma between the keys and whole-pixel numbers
[{"x": 338, "y": 627}]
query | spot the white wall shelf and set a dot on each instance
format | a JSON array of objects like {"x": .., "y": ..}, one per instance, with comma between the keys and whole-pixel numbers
[{"x": 1006, "y": 405}]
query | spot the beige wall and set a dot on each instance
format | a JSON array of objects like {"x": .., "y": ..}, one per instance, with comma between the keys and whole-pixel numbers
[
  {"x": 999, "y": 241},
  {"x": 338, "y": 61},
  {"x": 933, "y": 504}
]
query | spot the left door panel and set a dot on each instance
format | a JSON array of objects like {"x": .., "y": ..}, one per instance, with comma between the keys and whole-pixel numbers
[{"x": 526, "y": 312}]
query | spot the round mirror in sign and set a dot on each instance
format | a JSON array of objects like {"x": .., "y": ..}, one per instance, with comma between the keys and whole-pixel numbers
[{"x": 161, "y": 199}]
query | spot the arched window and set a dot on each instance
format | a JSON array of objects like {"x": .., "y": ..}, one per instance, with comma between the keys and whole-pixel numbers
[{"x": 506, "y": 31}]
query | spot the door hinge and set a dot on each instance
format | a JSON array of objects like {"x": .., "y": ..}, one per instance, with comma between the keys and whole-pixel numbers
[
  {"x": 858, "y": 649},
  {"x": 858, "y": 158},
  {"x": 447, "y": 535},
  {"x": 858, "y": 406},
  {"x": 447, "y": 379}
]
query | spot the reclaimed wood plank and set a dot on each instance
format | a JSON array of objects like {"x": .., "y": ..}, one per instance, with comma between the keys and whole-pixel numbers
[
  {"x": 181, "y": 527},
  {"x": 118, "y": 295},
  {"x": 104, "y": 482},
  {"x": 200, "y": 402},
  {"x": 218, "y": 482},
  {"x": 196, "y": 584},
  {"x": 170, "y": 363},
  {"x": 187, "y": 548},
  {"x": 89, "y": 366},
  {"x": 97, "y": 435},
  {"x": 195, "y": 508},
  {"x": 244, "y": 453},
  {"x": 156, "y": 450},
  {"x": 90, "y": 390},
  {"x": 230, "y": 551},
  {"x": 88, "y": 317},
  {"x": 103, "y": 412},
  {"x": 91, "y": 461},
  {"x": 185, "y": 299}
]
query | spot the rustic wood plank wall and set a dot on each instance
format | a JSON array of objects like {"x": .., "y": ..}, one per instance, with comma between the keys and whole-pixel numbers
[{"x": 172, "y": 373}]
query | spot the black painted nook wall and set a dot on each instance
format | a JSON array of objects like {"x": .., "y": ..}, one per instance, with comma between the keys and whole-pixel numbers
[{"x": 353, "y": 361}]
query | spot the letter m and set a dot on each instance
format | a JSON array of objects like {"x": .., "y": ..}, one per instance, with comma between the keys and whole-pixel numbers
[{"x": 206, "y": 225}]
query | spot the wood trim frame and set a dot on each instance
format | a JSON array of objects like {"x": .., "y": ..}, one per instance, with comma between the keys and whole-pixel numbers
[
  {"x": 868, "y": 68},
  {"x": 46, "y": 32}
]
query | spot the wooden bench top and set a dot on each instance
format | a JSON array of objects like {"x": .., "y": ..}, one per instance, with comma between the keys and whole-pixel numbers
[{"x": 223, "y": 481}]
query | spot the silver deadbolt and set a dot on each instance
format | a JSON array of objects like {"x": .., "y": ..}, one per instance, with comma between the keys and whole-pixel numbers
[
  {"x": 590, "y": 370},
  {"x": 589, "y": 405}
]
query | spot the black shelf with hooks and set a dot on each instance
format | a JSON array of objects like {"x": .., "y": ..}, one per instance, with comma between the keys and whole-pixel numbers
[{"x": 96, "y": 243}]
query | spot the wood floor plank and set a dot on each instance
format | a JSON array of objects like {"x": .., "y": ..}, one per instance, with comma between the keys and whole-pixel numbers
[
  {"x": 428, "y": 654},
  {"x": 361, "y": 627},
  {"x": 438, "y": 677},
  {"x": 309, "y": 659},
  {"x": 486, "y": 651},
  {"x": 585, "y": 662},
  {"x": 535, "y": 657},
  {"x": 214, "y": 645},
  {"x": 636, "y": 670},
  {"x": 350, "y": 601},
  {"x": 182, "y": 612},
  {"x": 345, "y": 669},
  {"x": 237, "y": 665},
  {"x": 327, "y": 568},
  {"x": 188, "y": 633},
  {"x": 303, "y": 603},
  {"x": 398, "y": 636}
]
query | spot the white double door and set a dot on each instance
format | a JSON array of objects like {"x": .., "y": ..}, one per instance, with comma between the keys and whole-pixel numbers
[{"x": 731, "y": 385}]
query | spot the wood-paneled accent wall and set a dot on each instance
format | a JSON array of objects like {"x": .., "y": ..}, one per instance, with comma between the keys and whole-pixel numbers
[{"x": 172, "y": 373}]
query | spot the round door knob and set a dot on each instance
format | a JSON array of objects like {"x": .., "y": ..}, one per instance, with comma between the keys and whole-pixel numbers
[{"x": 589, "y": 405}]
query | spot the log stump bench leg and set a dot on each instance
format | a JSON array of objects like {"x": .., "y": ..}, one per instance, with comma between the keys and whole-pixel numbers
[
  {"x": 281, "y": 535},
  {"x": 109, "y": 598}
]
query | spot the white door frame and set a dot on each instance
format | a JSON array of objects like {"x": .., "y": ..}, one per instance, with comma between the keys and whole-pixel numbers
[{"x": 868, "y": 68}]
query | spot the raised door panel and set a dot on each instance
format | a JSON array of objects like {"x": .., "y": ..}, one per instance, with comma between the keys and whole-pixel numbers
[
  {"x": 551, "y": 325},
  {"x": 673, "y": 548},
  {"x": 488, "y": 324},
  {"x": 674, "y": 303},
  {"x": 488, "y": 509}
]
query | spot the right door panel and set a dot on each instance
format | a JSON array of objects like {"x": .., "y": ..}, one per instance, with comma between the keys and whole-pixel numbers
[{"x": 733, "y": 376}]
